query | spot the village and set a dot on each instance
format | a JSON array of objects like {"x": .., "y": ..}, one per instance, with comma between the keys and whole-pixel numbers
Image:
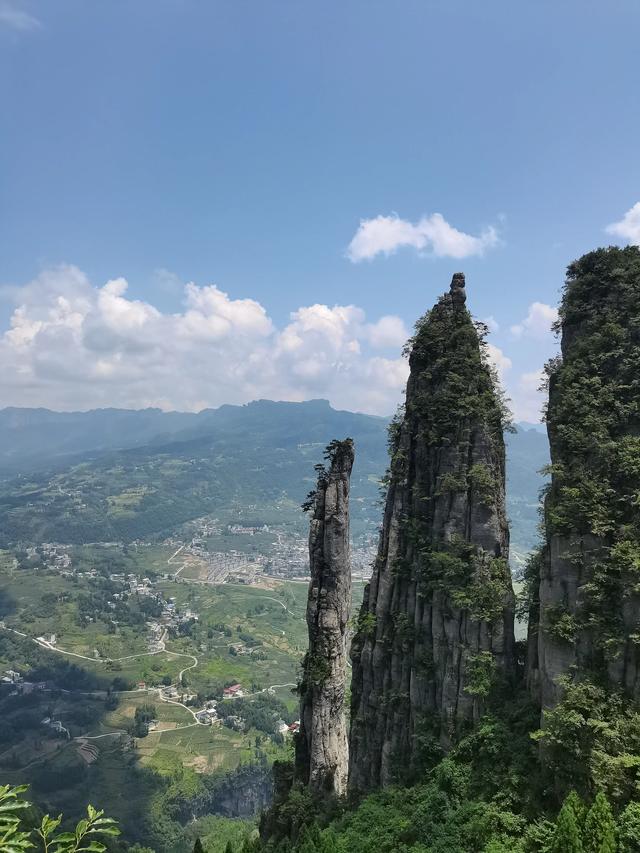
[
  {"x": 284, "y": 557},
  {"x": 165, "y": 619},
  {"x": 185, "y": 561}
]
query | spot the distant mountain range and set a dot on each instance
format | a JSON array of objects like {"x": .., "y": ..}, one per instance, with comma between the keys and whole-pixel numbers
[
  {"x": 33, "y": 438},
  {"x": 123, "y": 474}
]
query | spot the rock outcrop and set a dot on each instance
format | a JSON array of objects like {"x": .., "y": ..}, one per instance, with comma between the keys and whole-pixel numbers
[
  {"x": 243, "y": 792},
  {"x": 321, "y": 745},
  {"x": 435, "y": 629},
  {"x": 585, "y": 607}
]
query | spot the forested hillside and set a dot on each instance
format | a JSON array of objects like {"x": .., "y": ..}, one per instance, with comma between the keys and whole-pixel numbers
[
  {"x": 245, "y": 463},
  {"x": 251, "y": 464}
]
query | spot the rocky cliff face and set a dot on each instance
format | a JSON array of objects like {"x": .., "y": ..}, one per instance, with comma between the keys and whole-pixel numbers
[
  {"x": 243, "y": 792},
  {"x": 585, "y": 608},
  {"x": 321, "y": 745},
  {"x": 436, "y": 626}
]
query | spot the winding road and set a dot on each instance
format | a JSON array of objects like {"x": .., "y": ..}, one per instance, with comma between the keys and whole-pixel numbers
[{"x": 44, "y": 644}]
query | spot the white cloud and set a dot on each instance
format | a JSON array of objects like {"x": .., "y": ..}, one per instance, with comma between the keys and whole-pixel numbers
[
  {"x": 537, "y": 323},
  {"x": 73, "y": 345},
  {"x": 17, "y": 19},
  {"x": 526, "y": 398},
  {"x": 499, "y": 360},
  {"x": 492, "y": 324},
  {"x": 389, "y": 331},
  {"x": 628, "y": 227},
  {"x": 387, "y": 234},
  {"x": 168, "y": 281}
]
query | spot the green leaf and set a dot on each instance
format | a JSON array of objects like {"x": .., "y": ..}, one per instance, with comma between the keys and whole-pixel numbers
[{"x": 81, "y": 827}]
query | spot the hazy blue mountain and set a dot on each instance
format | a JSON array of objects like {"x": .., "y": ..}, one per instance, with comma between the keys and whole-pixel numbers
[
  {"x": 37, "y": 438},
  {"x": 123, "y": 474},
  {"x": 527, "y": 426},
  {"x": 527, "y": 454},
  {"x": 254, "y": 463},
  {"x": 33, "y": 439}
]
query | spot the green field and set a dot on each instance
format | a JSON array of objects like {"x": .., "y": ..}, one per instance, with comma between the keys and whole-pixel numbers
[
  {"x": 248, "y": 634},
  {"x": 254, "y": 635}
]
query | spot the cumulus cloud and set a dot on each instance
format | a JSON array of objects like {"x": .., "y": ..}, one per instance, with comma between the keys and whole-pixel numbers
[
  {"x": 17, "y": 19},
  {"x": 71, "y": 344},
  {"x": 524, "y": 397},
  {"x": 389, "y": 331},
  {"x": 431, "y": 234},
  {"x": 527, "y": 400},
  {"x": 628, "y": 227},
  {"x": 537, "y": 324},
  {"x": 499, "y": 360}
]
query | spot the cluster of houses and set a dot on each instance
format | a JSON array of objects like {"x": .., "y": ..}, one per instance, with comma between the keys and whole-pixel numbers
[
  {"x": 12, "y": 676},
  {"x": 132, "y": 584},
  {"x": 227, "y": 566},
  {"x": 14, "y": 680},
  {"x": 289, "y": 556},
  {"x": 241, "y": 530},
  {"x": 56, "y": 559},
  {"x": 53, "y": 557},
  {"x": 209, "y": 714},
  {"x": 171, "y": 617},
  {"x": 170, "y": 693}
]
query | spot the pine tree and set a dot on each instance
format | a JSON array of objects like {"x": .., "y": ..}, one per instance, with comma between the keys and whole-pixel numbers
[
  {"x": 629, "y": 829},
  {"x": 600, "y": 827},
  {"x": 579, "y": 809},
  {"x": 567, "y": 835},
  {"x": 197, "y": 847},
  {"x": 308, "y": 841}
]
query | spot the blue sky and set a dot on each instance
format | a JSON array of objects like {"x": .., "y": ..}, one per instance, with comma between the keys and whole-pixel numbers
[{"x": 241, "y": 144}]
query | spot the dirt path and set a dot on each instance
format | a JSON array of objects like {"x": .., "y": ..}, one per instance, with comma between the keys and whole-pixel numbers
[{"x": 281, "y": 603}]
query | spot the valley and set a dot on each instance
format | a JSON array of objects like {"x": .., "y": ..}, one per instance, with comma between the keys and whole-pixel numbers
[
  {"x": 119, "y": 667},
  {"x": 152, "y": 607}
]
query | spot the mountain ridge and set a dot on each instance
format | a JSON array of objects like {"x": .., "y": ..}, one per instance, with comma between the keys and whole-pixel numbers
[{"x": 252, "y": 436}]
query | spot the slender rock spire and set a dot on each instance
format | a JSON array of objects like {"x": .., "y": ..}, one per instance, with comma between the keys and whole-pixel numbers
[
  {"x": 435, "y": 630},
  {"x": 321, "y": 745}
]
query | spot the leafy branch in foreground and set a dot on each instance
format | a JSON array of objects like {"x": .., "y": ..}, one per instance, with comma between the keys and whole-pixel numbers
[
  {"x": 12, "y": 838},
  {"x": 15, "y": 838}
]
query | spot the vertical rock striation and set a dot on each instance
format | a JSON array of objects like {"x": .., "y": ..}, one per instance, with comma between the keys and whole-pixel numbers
[
  {"x": 584, "y": 585},
  {"x": 321, "y": 745},
  {"x": 436, "y": 626}
]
